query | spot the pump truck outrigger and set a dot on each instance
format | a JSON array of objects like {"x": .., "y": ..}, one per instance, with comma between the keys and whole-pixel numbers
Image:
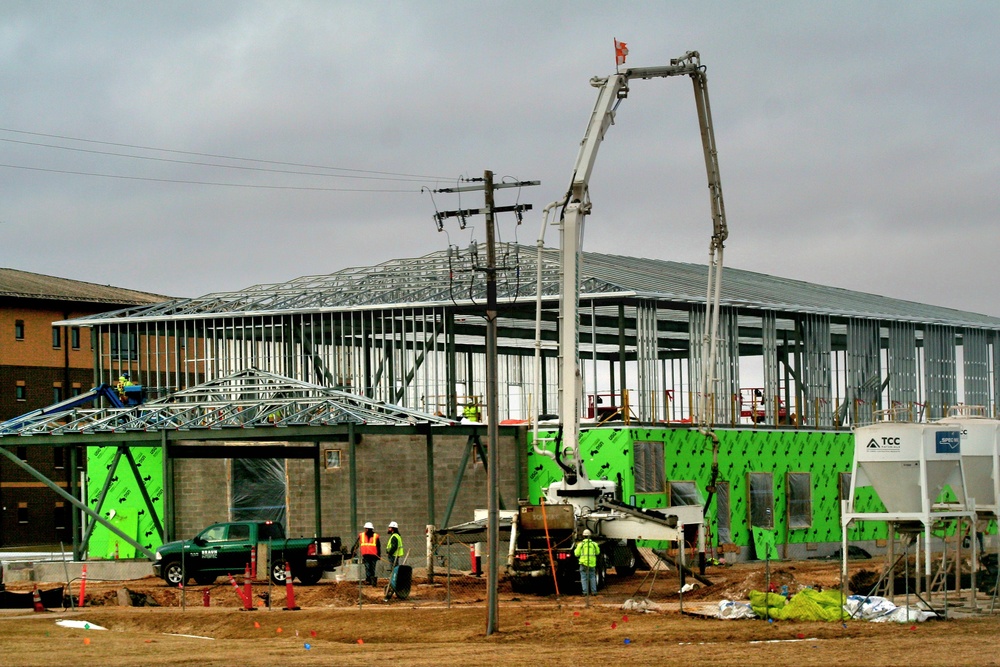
[{"x": 613, "y": 523}]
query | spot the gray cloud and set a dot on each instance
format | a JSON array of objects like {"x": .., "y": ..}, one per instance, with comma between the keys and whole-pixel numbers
[{"x": 857, "y": 141}]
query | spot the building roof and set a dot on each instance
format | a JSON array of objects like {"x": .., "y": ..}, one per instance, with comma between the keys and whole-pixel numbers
[
  {"x": 25, "y": 285},
  {"x": 455, "y": 277}
]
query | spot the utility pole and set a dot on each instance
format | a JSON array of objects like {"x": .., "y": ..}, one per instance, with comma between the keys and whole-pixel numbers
[{"x": 492, "y": 382}]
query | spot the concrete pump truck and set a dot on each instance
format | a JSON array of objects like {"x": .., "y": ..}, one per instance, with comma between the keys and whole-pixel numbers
[{"x": 541, "y": 547}]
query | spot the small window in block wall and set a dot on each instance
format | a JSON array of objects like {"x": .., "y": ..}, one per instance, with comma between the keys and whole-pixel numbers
[{"x": 332, "y": 458}]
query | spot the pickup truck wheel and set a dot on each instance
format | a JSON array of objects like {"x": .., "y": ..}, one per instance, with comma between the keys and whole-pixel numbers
[
  {"x": 278, "y": 573},
  {"x": 310, "y": 577},
  {"x": 173, "y": 574}
]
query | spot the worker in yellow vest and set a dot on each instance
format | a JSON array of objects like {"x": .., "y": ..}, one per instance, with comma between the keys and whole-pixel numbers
[
  {"x": 586, "y": 551},
  {"x": 394, "y": 552},
  {"x": 394, "y": 546},
  {"x": 124, "y": 380},
  {"x": 370, "y": 548}
]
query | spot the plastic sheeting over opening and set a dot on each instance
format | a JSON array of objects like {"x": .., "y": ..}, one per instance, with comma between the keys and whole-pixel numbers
[
  {"x": 650, "y": 467},
  {"x": 259, "y": 490}
]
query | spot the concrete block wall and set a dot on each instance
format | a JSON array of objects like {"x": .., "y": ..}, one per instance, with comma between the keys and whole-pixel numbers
[
  {"x": 392, "y": 485},
  {"x": 201, "y": 494},
  {"x": 299, "y": 498}
]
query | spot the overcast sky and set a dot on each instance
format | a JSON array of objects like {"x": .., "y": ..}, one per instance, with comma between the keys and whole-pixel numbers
[{"x": 858, "y": 142}]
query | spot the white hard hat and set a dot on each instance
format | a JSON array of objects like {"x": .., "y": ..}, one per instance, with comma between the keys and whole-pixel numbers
[
  {"x": 586, "y": 532},
  {"x": 393, "y": 524},
  {"x": 369, "y": 524}
]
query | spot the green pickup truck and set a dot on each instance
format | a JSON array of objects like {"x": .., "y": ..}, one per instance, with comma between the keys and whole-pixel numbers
[{"x": 225, "y": 548}]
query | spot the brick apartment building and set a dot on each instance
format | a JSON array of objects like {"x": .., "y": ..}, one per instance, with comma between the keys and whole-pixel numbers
[{"x": 41, "y": 364}]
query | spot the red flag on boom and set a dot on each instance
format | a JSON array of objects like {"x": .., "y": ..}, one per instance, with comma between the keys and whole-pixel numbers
[{"x": 621, "y": 50}]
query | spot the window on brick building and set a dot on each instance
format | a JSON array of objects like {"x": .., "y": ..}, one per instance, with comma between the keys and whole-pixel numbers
[
  {"x": 19, "y": 329},
  {"x": 21, "y": 391},
  {"x": 124, "y": 346},
  {"x": 61, "y": 516},
  {"x": 57, "y": 393},
  {"x": 22, "y": 453},
  {"x": 333, "y": 458},
  {"x": 22, "y": 512},
  {"x": 56, "y": 336},
  {"x": 74, "y": 337},
  {"x": 58, "y": 458}
]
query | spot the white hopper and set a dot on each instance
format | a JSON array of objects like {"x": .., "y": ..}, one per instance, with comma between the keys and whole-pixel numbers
[
  {"x": 980, "y": 463},
  {"x": 908, "y": 465}
]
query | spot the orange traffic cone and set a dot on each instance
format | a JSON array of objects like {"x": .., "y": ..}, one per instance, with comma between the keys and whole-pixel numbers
[
  {"x": 36, "y": 599},
  {"x": 289, "y": 591}
]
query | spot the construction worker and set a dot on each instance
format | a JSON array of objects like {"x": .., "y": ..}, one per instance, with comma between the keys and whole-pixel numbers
[
  {"x": 394, "y": 547},
  {"x": 124, "y": 380},
  {"x": 371, "y": 551},
  {"x": 394, "y": 552},
  {"x": 586, "y": 551}
]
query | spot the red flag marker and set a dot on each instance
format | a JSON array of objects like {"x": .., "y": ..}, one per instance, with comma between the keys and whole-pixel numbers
[{"x": 621, "y": 51}]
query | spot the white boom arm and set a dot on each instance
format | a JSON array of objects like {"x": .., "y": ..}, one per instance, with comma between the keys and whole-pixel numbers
[{"x": 576, "y": 207}]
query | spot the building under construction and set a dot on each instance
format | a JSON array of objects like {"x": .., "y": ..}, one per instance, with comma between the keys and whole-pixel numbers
[
  {"x": 335, "y": 399},
  {"x": 410, "y": 332}
]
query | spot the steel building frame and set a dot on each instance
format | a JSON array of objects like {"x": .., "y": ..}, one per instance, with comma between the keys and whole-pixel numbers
[{"x": 410, "y": 332}]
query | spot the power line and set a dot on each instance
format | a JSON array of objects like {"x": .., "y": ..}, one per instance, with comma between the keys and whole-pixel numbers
[
  {"x": 212, "y": 164},
  {"x": 189, "y": 182},
  {"x": 224, "y": 157}
]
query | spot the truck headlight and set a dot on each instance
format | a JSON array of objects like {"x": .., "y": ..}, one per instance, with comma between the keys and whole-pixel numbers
[{"x": 158, "y": 556}]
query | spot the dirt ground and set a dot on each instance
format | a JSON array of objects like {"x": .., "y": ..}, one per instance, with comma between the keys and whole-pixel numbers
[{"x": 445, "y": 624}]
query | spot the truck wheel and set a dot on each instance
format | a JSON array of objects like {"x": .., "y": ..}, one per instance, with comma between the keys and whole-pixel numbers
[
  {"x": 278, "y": 573},
  {"x": 173, "y": 574},
  {"x": 310, "y": 577},
  {"x": 625, "y": 561}
]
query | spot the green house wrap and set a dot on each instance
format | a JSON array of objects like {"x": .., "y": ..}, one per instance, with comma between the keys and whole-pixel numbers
[
  {"x": 787, "y": 482},
  {"x": 124, "y": 505}
]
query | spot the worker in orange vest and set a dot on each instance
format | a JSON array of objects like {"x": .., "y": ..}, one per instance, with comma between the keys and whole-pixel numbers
[{"x": 370, "y": 547}]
